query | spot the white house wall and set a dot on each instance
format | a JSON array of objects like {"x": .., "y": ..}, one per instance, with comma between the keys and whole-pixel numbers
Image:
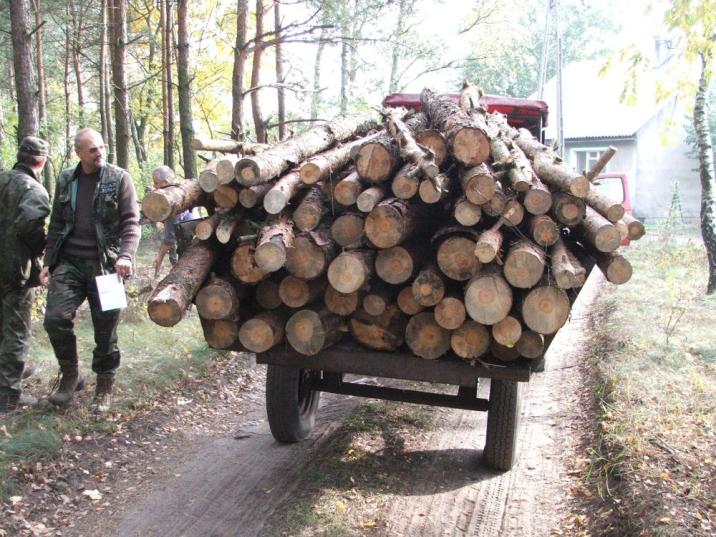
[{"x": 659, "y": 164}]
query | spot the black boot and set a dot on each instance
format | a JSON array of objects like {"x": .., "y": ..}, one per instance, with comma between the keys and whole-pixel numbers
[
  {"x": 102, "y": 401},
  {"x": 9, "y": 402},
  {"x": 70, "y": 382}
]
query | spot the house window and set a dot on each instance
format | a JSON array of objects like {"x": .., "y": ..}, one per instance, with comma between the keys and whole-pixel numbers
[{"x": 587, "y": 158}]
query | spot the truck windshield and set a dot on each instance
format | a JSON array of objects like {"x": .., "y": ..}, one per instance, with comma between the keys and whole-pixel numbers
[{"x": 611, "y": 187}]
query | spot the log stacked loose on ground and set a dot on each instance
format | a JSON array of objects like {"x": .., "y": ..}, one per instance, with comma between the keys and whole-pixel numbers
[{"x": 448, "y": 232}]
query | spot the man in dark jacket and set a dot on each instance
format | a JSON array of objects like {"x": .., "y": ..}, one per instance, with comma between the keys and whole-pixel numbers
[
  {"x": 94, "y": 230},
  {"x": 24, "y": 205}
]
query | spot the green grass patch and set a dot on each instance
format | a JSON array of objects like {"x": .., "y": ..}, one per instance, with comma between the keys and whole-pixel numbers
[
  {"x": 655, "y": 353},
  {"x": 155, "y": 361}
]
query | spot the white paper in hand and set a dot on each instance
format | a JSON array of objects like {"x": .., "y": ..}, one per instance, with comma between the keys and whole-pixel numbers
[{"x": 111, "y": 292}]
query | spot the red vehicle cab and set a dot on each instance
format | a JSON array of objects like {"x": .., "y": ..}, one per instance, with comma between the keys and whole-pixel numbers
[
  {"x": 615, "y": 186},
  {"x": 528, "y": 113}
]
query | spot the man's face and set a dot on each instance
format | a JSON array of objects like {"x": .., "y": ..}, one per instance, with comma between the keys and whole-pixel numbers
[{"x": 91, "y": 152}]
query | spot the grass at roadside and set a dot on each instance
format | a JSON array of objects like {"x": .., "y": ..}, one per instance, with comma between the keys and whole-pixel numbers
[
  {"x": 155, "y": 360},
  {"x": 655, "y": 352}
]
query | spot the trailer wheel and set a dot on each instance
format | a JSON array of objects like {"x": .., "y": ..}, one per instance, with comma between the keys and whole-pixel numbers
[
  {"x": 503, "y": 419},
  {"x": 290, "y": 405}
]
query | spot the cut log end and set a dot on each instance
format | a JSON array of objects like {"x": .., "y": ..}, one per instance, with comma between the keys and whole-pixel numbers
[
  {"x": 347, "y": 273},
  {"x": 342, "y": 304},
  {"x": 425, "y": 337},
  {"x": 374, "y": 162},
  {"x": 394, "y": 265},
  {"x": 309, "y": 332},
  {"x": 456, "y": 258},
  {"x": 507, "y": 332},
  {"x": 546, "y": 309},
  {"x": 407, "y": 302},
  {"x": 470, "y": 341},
  {"x": 270, "y": 256},
  {"x": 488, "y": 298},
  {"x": 450, "y": 313},
  {"x": 247, "y": 172},
  {"x": 156, "y": 207},
  {"x": 384, "y": 226},
  {"x": 310, "y": 173},
  {"x": 467, "y": 213},
  {"x": 165, "y": 313},
  {"x": 471, "y": 146}
]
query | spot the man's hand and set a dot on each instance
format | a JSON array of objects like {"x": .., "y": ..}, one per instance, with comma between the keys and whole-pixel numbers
[
  {"x": 44, "y": 276},
  {"x": 123, "y": 268}
]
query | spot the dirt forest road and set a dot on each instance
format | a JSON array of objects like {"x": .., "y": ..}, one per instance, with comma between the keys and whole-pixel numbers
[{"x": 242, "y": 483}]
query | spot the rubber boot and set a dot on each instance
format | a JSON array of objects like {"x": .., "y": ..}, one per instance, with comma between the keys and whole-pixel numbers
[
  {"x": 9, "y": 402},
  {"x": 102, "y": 401},
  {"x": 70, "y": 382}
]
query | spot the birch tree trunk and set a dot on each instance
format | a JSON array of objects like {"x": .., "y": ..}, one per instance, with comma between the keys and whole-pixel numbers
[{"x": 706, "y": 171}]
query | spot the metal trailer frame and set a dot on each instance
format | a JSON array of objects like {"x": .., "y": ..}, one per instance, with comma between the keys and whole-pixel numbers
[{"x": 294, "y": 383}]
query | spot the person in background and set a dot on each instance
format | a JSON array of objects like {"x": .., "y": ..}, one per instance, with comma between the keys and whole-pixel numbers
[
  {"x": 164, "y": 176},
  {"x": 94, "y": 230},
  {"x": 24, "y": 206}
]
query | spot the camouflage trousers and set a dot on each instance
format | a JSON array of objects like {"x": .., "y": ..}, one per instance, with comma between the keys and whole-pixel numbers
[
  {"x": 14, "y": 334},
  {"x": 73, "y": 281}
]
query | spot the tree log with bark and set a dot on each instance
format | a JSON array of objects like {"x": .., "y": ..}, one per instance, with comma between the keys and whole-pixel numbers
[
  {"x": 273, "y": 162},
  {"x": 175, "y": 292}
]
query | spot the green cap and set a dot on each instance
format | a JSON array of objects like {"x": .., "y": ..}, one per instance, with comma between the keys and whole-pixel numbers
[{"x": 31, "y": 145}]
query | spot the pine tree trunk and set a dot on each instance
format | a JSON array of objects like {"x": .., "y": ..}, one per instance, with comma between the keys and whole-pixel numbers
[
  {"x": 237, "y": 77},
  {"x": 279, "y": 72},
  {"x": 22, "y": 60},
  {"x": 164, "y": 203},
  {"x": 77, "y": 44},
  {"x": 185, "y": 116},
  {"x": 118, "y": 43},
  {"x": 47, "y": 175},
  {"x": 316, "y": 94},
  {"x": 259, "y": 126}
]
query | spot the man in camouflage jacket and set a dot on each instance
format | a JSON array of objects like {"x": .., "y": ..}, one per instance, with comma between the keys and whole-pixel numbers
[
  {"x": 94, "y": 230},
  {"x": 24, "y": 205}
]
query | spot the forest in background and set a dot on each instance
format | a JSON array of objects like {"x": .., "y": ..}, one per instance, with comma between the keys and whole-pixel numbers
[{"x": 151, "y": 75}]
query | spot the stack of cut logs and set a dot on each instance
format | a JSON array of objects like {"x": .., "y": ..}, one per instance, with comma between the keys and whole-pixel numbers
[{"x": 446, "y": 230}]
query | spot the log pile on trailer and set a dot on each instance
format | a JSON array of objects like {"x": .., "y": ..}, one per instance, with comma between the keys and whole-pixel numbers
[{"x": 447, "y": 231}]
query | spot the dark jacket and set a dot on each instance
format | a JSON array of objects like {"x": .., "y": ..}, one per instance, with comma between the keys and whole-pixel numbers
[
  {"x": 24, "y": 205},
  {"x": 115, "y": 213}
]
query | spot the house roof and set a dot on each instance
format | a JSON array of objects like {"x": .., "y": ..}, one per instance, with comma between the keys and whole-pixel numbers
[{"x": 591, "y": 103}]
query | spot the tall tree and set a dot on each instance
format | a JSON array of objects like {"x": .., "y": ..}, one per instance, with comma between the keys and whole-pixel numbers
[
  {"x": 694, "y": 24},
  {"x": 184, "y": 79},
  {"x": 66, "y": 86},
  {"x": 279, "y": 71},
  {"x": 237, "y": 77},
  {"x": 167, "y": 88},
  {"x": 397, "y": 45},
  {"x": 259, "y": 125},
  {"x": 105, "y": 100},
  {"x": 117, "y": 45},
  {"x": 78, "y": 22},
  {"x": 22, "y": 60},
  {"x": 316, "y": 93},
  {"x": 47, "y": 173}
]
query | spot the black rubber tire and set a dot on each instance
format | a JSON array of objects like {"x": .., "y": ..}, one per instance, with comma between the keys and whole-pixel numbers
[
  {"x": 291, "y": 409},
  {"x": 503, "y": 421}
]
